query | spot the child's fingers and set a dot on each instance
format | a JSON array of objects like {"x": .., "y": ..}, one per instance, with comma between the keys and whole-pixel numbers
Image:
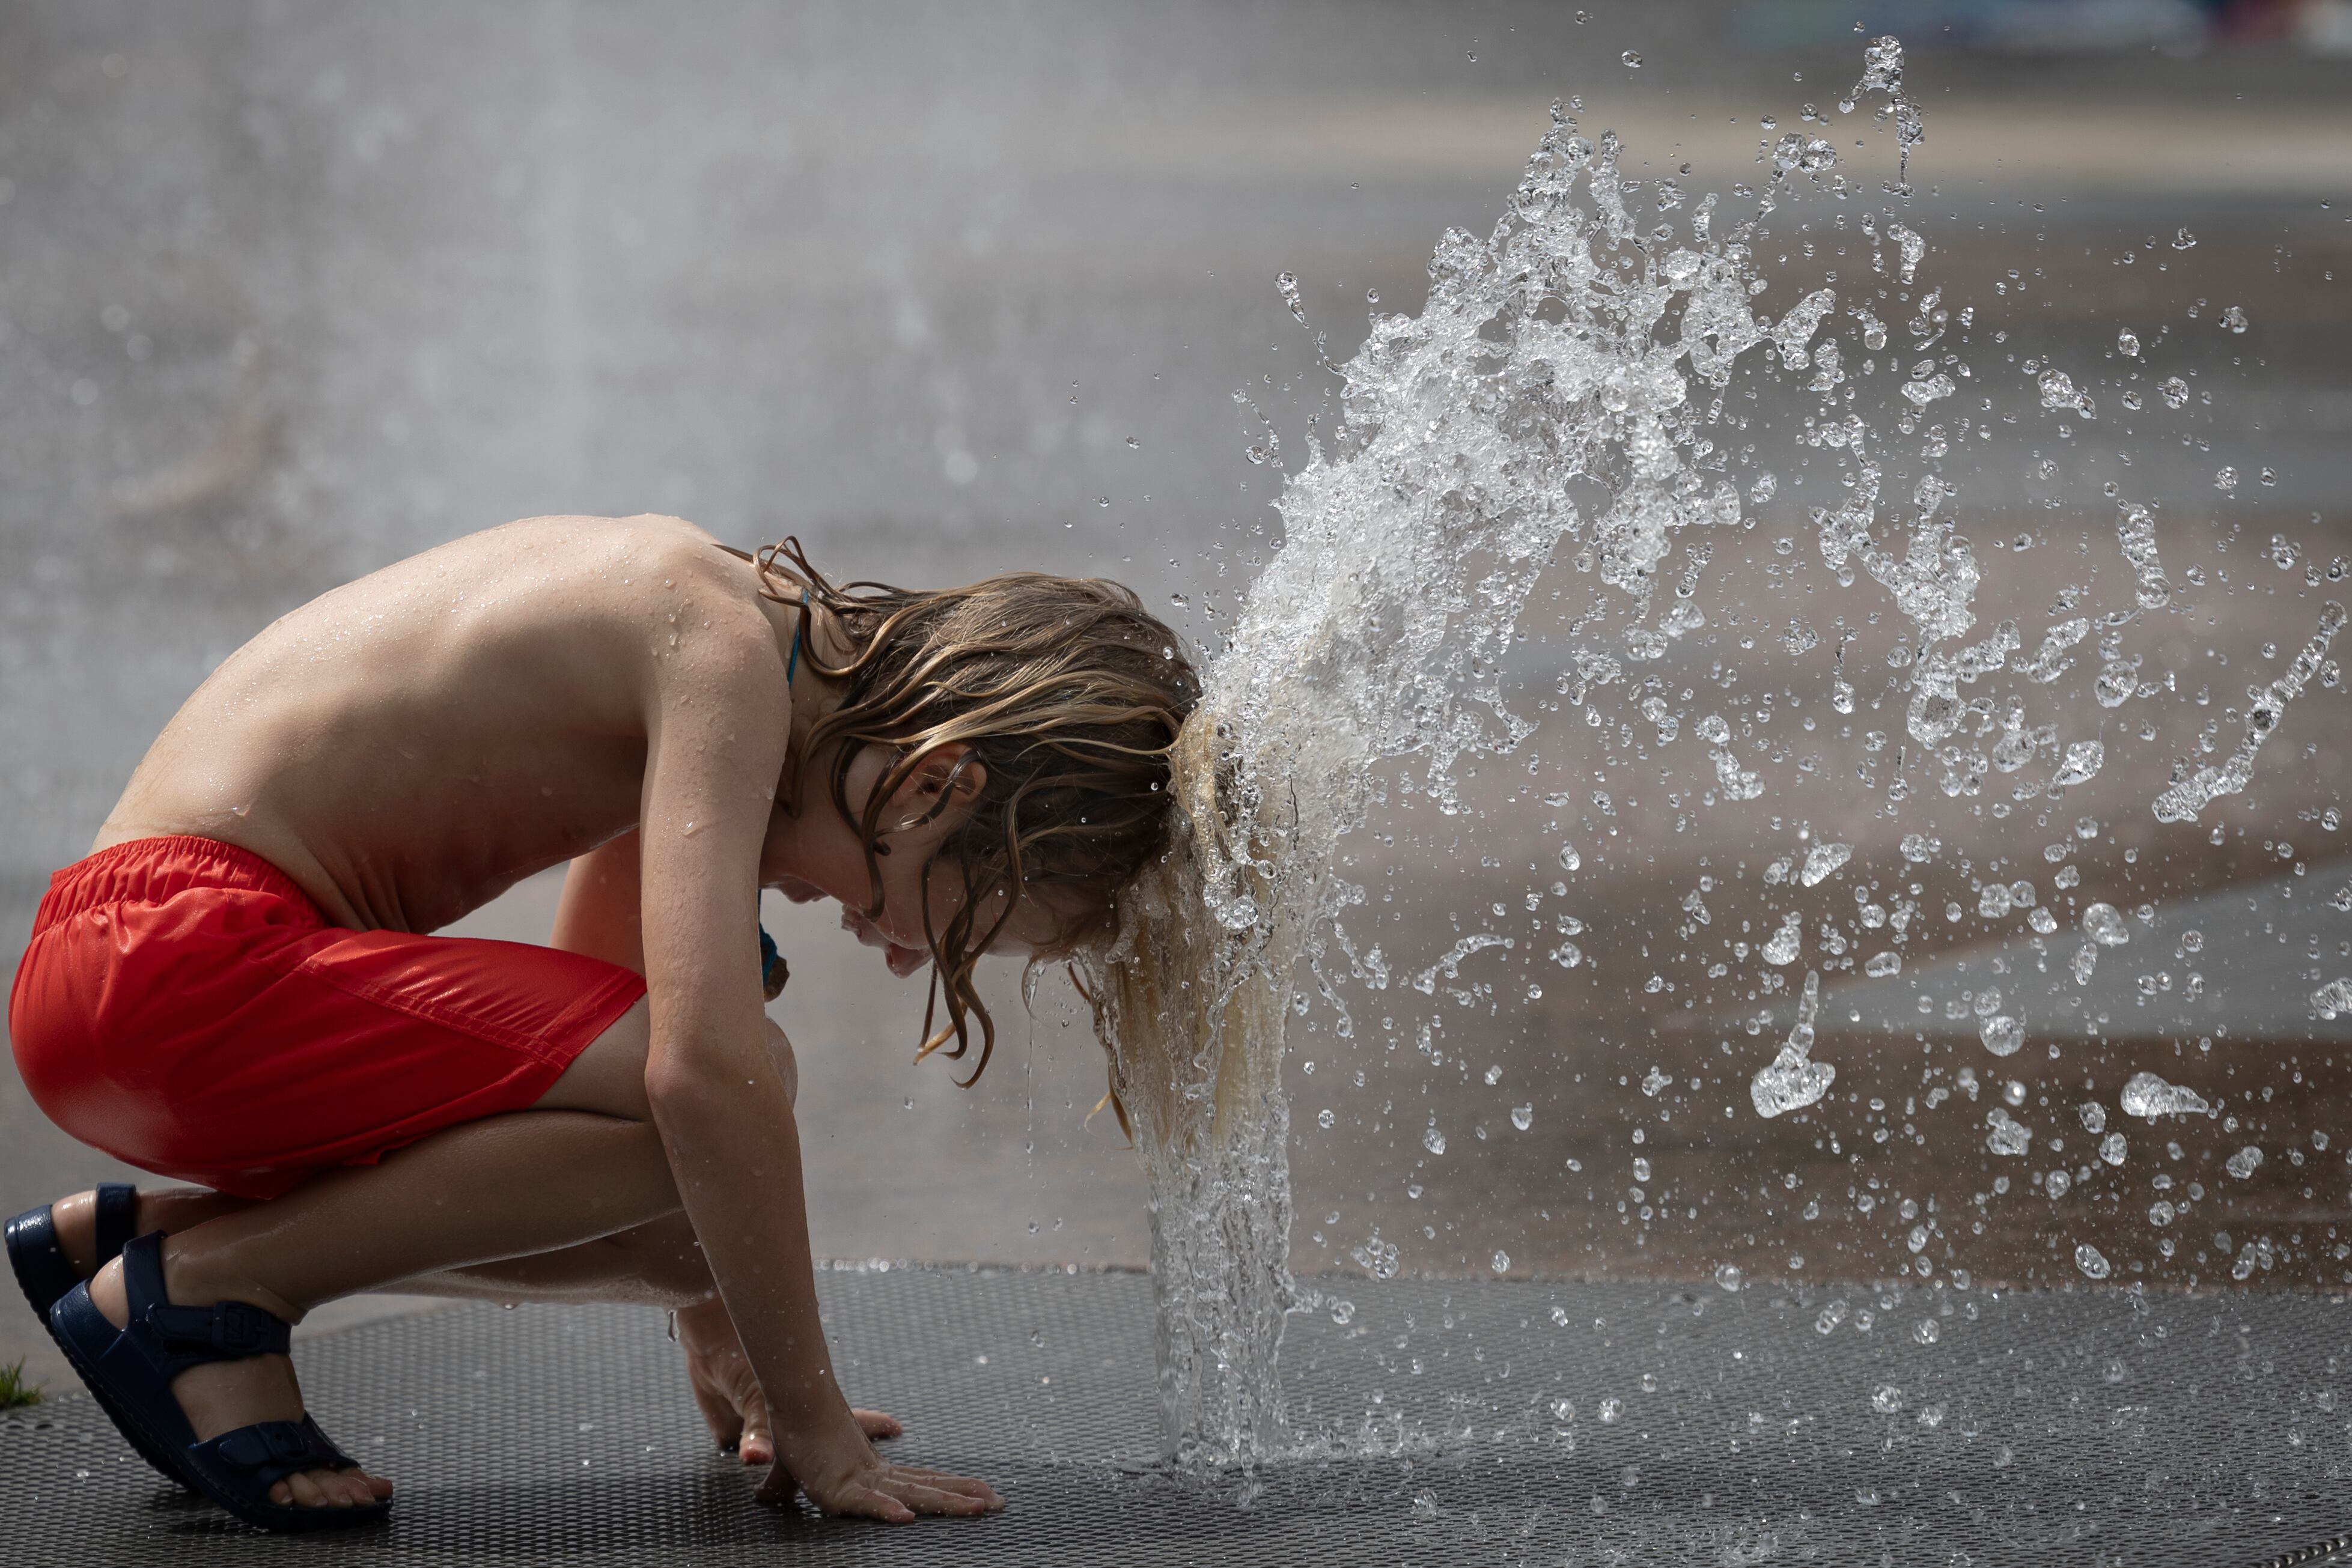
[
  {"x": 931, "y": 1499},
  {"x": 718, "y": 1413},
  {"x": 939, "y": 1482},
  {"x": 876, "y": 1425},
  {"x": 757, "y": 1445},
  {"x": 870, "y": 1502}
]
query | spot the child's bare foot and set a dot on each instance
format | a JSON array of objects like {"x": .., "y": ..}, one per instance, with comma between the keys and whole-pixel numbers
[
  {"x": 222, "y": 1396},
  {"x": 75, "y": 1218}
]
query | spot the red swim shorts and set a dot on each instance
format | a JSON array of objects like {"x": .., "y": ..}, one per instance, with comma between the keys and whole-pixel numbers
[{"x": 184, "y": 1007}]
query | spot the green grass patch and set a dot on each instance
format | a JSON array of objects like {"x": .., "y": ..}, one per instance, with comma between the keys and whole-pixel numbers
[{"x": 17, "y": 1390}]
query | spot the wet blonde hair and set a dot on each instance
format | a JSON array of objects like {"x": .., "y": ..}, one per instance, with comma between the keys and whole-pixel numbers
[{"x": 1065, "y": 692}]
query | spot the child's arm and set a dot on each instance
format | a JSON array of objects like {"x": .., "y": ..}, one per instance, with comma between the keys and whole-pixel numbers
[
  {"x": 601, "y": 911},
  {"x": 712, "y": 765}
]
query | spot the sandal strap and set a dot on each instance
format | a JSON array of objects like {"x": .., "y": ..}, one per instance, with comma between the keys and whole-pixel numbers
[
  {"x": 269, "y": 1451},
  {"x": 181, "y": 1337},
  {"x": 225, "y": 1331},
  {"x": 118, "y": 1211}
]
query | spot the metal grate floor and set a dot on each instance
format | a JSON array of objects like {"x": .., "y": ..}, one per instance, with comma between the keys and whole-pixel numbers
[{"x": 1698, "y": 1427}]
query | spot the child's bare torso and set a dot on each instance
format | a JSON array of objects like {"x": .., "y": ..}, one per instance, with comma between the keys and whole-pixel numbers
[{"x": 408, "y": 746}]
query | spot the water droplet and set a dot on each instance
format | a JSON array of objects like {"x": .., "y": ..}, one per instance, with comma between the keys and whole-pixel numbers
[
  {"x": 2149, "y": 1096},
  {"x": 1569, "y": 859},
  {"x": 1433, "y": 1141},
  {"x": 2245, "y": 1163},
  {"x": 1287, "y": 283},
  {"x": 2127, "y": 343},
  {"x": 2007, "y": 1135},
  {"x": 2234, "y": 318},
  {"x": 2002, "y": 1035},
  {"x": 2093, "y": 1264},
  {"x": 1501, "y": 1261},
  {"x": 1523, "y": 1116},
  {"x": 2083, "y": 759},
  {"x": 1376, "y": 1257},
  {"x": 1886, "y": 1399},
  {"x": 2184, "y": 240},
  {"x": 1822, "y": 860},
  {"x": 2102, "y": 924},
  {"x": 1633, "y": 60},
  {"x": 1324, "y": 1118}
]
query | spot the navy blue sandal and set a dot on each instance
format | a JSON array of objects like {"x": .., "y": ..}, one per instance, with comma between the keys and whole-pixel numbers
[
  {"x": 130, "y": 1370},
  {"x": 44, "y": 1274}
]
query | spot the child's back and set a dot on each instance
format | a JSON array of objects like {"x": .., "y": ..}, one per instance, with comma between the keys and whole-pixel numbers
[{"x": 407, "y": 747}]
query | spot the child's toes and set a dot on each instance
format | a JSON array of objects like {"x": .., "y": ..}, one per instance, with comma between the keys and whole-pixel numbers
[{"x": 313, "y": 1489}]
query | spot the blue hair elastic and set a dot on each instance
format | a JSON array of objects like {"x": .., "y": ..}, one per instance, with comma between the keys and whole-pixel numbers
[
  {"x": 793, "y": 664},
  {"x": 774, "y": 971}
]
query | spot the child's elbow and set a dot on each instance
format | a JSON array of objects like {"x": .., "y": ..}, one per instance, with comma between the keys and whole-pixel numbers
[{"x": 692, "y": 1083}]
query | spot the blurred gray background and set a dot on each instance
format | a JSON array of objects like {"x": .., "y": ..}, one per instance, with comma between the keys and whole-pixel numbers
[{"x": 288, "y": 291}]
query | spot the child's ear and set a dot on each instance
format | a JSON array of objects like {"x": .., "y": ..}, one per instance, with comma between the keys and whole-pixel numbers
[{"x": 947, "y": 775}]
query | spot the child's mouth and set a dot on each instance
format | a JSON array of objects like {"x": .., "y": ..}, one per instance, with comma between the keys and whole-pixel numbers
[{"x": 903, "y": 960}]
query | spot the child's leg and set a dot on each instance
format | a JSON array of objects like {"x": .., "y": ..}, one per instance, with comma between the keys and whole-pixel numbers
[
  {"x": 657, "y": 1264},
  {"x": 532, "y": 1182},
  {"x": 166, "y": 1210}
]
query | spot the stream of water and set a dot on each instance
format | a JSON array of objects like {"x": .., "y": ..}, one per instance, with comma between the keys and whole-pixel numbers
[{"x": 1573, "y": 394}]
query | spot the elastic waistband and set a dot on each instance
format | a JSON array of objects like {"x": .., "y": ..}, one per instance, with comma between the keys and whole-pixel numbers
[{"x": 149, "y": 871}]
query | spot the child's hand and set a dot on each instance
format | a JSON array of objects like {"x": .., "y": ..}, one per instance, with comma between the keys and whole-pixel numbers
[
  {"x": 849, "y": 1478},
  {"x": 728, "y": 1394}
]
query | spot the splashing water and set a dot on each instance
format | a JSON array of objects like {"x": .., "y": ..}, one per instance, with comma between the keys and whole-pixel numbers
[
  {"x": 2190, "y": 793},
  {"x": 2149, "y": 1096},
  {"x": 1376, "y": 629},
  {"x": 1794, "y": 1080},
  {"x": 1553, "y": 402}
]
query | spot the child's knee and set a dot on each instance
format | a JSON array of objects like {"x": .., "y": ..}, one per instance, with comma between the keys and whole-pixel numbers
[
  {"x": 788, "y": 1067},
  {"x": 668, "y": 1261}
]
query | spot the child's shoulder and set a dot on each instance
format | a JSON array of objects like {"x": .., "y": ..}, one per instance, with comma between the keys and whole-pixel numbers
[
  {"x": 581, "y": 571},
  {"x": 647, "y": 552}
]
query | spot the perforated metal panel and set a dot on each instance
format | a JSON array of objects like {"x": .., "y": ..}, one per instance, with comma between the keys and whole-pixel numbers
[{"x": 1698, "y": 1427}]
